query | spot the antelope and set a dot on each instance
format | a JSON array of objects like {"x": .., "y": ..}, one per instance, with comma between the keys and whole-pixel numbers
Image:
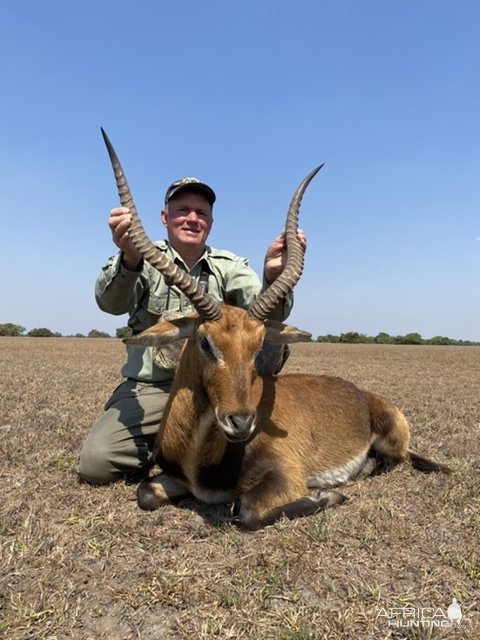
[{"x": 275, "y": 445}]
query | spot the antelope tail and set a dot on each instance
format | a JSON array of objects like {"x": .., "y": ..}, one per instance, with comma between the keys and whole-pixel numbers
[{"x": 425, "y": 464}]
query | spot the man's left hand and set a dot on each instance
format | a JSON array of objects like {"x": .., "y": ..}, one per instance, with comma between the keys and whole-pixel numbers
[{"x": 276, "y": 256}]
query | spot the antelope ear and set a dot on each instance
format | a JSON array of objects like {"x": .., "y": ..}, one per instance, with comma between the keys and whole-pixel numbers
[
  {"x": 279, "y": 333},
  {"x": 165, "y": 332}
]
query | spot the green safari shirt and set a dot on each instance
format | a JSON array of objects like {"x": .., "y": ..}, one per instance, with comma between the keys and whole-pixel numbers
[{"x": 145, "y": 296}]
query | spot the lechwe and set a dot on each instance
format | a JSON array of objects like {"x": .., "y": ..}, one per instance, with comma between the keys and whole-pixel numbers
[{"x": 274, "y": 445}]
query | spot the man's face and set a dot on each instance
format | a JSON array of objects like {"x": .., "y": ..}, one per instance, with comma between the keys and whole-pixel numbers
[{"x": 188, "y": 219}]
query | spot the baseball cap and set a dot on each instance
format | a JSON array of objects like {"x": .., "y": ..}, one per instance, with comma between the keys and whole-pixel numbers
[{"x": 190, "y": 183}]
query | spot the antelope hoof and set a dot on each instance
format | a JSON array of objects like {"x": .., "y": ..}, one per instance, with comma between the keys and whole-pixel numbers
[
  {"x": 148, "y": 497},
  {"x": 159, "y": 490},
  {"x": 330, "y": 498}
]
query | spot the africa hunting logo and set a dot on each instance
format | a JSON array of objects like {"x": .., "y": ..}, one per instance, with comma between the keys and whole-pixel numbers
[{"x": 418, "y": 617}]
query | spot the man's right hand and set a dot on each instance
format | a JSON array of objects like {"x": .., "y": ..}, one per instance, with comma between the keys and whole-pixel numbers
[{"x": 119, "y": 223}]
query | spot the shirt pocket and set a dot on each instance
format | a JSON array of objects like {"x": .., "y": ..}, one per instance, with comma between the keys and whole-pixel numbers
[
  {"x": 157, "y": 303},
  {"x": 150, "y": 308}
]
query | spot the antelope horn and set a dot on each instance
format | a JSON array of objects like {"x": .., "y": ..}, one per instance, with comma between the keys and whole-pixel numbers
[
  {"x": 289, "y": 277},
  {"x": 205, "y": 305}
]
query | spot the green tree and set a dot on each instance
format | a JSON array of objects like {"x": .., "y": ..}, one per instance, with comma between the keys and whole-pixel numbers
[
  {"x": 9, "y": 329},
  {"x": 352, "y": 337},
  {"x": 440, "y": 340},
  {"x": 123, "y": 332},
  {"x": 41, "y": 332},
  {"x": 383, "y": 338}
]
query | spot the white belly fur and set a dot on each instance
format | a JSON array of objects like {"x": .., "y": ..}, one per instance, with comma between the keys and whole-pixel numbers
[{"x": 339, "y": 475}]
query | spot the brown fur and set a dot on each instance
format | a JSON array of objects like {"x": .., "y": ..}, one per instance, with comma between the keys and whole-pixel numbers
[{"x": 311, "y": 431}]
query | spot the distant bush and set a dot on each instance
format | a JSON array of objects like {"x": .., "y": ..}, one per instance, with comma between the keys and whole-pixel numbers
[
  {"x": 123, "y": 332},
  {"x": 98, "y": 334},
  {"x": 328, "y": 338}
]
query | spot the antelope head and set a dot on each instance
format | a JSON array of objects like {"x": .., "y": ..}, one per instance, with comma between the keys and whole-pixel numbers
[{"x": 223, "y": 341}]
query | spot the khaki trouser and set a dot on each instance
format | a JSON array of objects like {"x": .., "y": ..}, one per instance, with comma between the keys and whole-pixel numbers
[{"x": 121, "y": 441}]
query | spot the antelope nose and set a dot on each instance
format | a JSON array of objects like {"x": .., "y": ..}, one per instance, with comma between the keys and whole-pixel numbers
[{"x": 242, "y": 424}]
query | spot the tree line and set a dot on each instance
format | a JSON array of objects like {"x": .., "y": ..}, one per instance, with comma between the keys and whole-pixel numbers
[
  {"x": 351, "y": 337},
  {"x": 16, "y": 330}
]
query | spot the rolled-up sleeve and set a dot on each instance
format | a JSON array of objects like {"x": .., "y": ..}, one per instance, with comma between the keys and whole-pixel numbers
[{"x": 117, "y": 288}]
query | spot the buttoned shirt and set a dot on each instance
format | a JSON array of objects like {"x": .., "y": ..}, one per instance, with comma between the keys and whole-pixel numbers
[{"x": 145, "y": 296}]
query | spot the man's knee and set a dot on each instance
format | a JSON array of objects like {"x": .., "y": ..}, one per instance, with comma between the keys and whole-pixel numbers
[
  {"x": 120, "y": 441},
  {"x": 94, "y": 464}
]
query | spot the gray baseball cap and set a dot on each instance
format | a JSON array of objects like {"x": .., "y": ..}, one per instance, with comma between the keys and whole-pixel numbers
[{"x": 192, "y": 184}]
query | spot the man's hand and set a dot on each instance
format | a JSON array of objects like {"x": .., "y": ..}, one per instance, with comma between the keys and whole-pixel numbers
[
  {"x": 119, "y": 223},
  {"x": 276, "y": 256}
]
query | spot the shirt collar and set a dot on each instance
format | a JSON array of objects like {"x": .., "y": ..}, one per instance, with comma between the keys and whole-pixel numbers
[{"x": 177, "y": 258}]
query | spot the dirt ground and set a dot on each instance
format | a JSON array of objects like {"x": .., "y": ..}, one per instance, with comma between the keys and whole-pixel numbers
[{"x": 82, "y": 562}]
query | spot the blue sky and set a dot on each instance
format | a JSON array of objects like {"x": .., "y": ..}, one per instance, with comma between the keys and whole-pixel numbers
[{"x": 249, "y": 96}]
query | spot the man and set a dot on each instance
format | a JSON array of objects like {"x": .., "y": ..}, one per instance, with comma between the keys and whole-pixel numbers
[{"x": 120, "y": 442}]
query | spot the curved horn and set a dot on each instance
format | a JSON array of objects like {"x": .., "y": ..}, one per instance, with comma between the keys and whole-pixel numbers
[
  {"x": 205, "y": 305},
  {"x": 289, "y": 277}
]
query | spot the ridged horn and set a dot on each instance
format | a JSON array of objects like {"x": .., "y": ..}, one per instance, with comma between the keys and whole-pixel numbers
[
  {"x": 204, "y": 304},
  {"x": 289, "y": 277}
]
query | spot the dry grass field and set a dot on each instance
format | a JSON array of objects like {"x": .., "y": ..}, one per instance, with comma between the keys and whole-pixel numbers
[{"x": 82, "y": 562}]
